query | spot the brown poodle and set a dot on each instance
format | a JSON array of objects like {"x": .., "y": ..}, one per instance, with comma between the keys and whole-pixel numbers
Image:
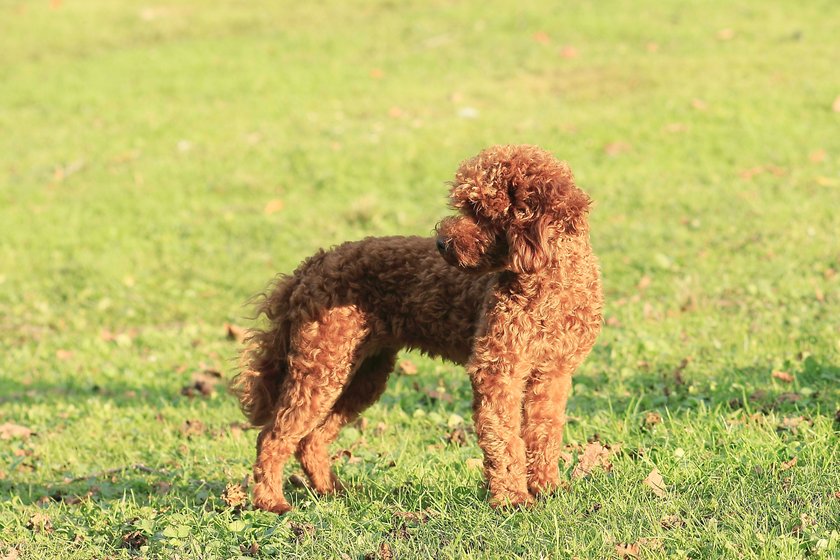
[{"x": 516, "y": 298}]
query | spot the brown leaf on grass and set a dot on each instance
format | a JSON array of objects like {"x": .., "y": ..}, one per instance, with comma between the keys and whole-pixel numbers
[
  {"x": 192, "y": 428},
  {"x": 644, "y": 283},
  {"x": 594, "y": 455},
  {"x": 652, "y": 419},
  {"x": 725, "y": 34},
  {"x": 652, "y": 47},
  {"x": 671, "y": 522},
  {"x": 541, "y": 37},
  {"x": 569, "y": 52},
  {"x": 458, "y": 437},
  {"x": 817, "y": 156},
  {"x": 655, "y": 482},
  {"x": 273, "y": 206},
  {"x": 616, "y": 148},
  {"x": 625, "y": 550},
  {"x": 133, "y": 540},
  {"x": 202, "y": 383},
  {"x": 64, "y": 355},
  {"x": 787, "y": 465},
  {"x": 381, "y": 428},
  {"x": 415, "y": 517},
  {"x": 9, "y": 431},
  {"x": 232, "y": 332},
  {"x": 783, "y": 376},
  {"x": 11, "y": 554},
  {"x": 301, "y": 530},
  {"x": 348, "y": 455},
  {"x": 836, "y": 105},
  {"x": 699, "y": 104},
  {"x": 788, "y": 397},
  {"x": 438, "y": 394},
  {"x": 234, "y": 496},
  {"x": 383, "y": 553},
  {"x": 612, "y": 321},
  {"x": 376, "y": 73},
  {"x": 40, "y": 523},
  {"x": 250, "y": 550},
  {"x": 406, "y": 367},
  {"x": 792, "y": 423}
]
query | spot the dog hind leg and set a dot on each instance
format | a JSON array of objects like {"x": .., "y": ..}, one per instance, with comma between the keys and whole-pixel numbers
[
  {"x": 320, "y": 364},
  {"x": 365, "y": 388}
]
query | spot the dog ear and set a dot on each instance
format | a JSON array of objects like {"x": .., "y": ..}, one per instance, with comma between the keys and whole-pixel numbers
[
  {"x": 526, "y": 246},
  {"x": 572, "y": 210}
]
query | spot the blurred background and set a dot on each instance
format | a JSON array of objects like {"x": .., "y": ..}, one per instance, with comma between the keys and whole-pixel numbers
[{"x": 160, "y": 163}]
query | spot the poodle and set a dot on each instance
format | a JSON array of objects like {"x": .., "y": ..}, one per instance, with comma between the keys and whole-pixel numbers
[{"x": 509, "y": 288}]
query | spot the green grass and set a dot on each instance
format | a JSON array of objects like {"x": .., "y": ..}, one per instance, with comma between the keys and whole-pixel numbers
[{"x": 140, "y": 145}]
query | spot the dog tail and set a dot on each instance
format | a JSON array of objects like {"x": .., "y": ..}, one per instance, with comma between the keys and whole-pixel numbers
[{"x": 264, "y": 363}]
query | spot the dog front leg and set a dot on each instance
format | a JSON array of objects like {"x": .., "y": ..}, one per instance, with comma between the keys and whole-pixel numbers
[{"x": 498, "y": 389}]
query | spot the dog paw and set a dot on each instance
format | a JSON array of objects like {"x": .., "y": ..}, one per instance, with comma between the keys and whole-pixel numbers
[
  {"x": 512, "y": 500},
  {"x": 266, "y": 501}
]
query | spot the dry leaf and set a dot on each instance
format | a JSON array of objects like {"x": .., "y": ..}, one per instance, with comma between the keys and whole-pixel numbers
[
  {"x": 9, "y": 431},
  {"x": 407, "y": 367},
  {"x": 725, "y": 34},
  {"x": 273, "y": 206},
  {"x": 192, "y": 428},
  {"x": 671, "y": 522},
  {"x": 235, "y": 333},
  {"x": 627, "y": 550},
  {"x": 133, "y": 540},
  {"x": 616, "y": 148},
  {"x": 376, "y": 73},
  {"x": 64, "y": 355},
  {"x": 644, "y": 283},
  {"x": 40, "y": 523},
  {"x": 783, "y": 376},
  {"x": 457, "y": 437},
  {"x": 652, "y": 419},
  {"x": 569, "y": 52},
  {"x": 788, "y": 464},
  {"x": 234, "y": 496},
  {"x": 836, "y": 105},
  {"x": 593, "y": 455},
  {"x": 202, "y": 383},
  {"x": 655, "y": 483},
  {"x": 301, "y": 530},
  {"x": 699, "y": 104},
  {"x": 542, "y": 37},
  {"x": 817, "y": 156}
]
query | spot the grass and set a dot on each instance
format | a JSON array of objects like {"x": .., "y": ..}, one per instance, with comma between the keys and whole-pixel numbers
[{"x": 159, "y": 164}]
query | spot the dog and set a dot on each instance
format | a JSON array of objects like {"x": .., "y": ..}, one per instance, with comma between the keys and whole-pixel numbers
[{"x": 509, "y": 288}]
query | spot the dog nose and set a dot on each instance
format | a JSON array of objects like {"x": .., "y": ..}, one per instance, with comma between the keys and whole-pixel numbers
[{"x": 441, "y": 245}]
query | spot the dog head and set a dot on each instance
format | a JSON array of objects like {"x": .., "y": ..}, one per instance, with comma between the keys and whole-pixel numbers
[{"x": 514, "y": 204}]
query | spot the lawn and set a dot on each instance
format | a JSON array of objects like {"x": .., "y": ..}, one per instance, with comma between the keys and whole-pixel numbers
[{"x": 159, "y": 164}]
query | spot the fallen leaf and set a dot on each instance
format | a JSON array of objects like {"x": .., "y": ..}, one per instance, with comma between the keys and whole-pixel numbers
[
  {"x": 652, "y": 47},
  {"x": 416, "y": 517},
  {"x": 569, "y": 52},
  {"x": 385, "y": 552},
  {"x": 64, "y": 355},
  {"x": 655, "y": 482},
  {"x": 836, "y": 105},
  {"x": 192, "y": 428},
  {"x": 671, "y": 522},
  {"x": 273, "y": 206},
  {"x": 542, "y": 37},
  {"x": 301, "y": 530},
  {"x": 788, "y": 464},
  {"x": 594, "y": 455},
  {"x": 627, "y": 550},
  {"x": 644, "y": 283},
  {"x": 202, "y": 383},
  {"x": 818, "y": 156},
  {"x": 407, "y": 367},
  {"x": 376, "y": 73},
  {"x": 40, "y": 523},
  {"x": 783, "y": 376},
  {"x": 380, "y": 428},
  {"x": 652, "y": 419},
  {"x": 699, "y": 104},
  {"x": 133, "y": 540},
  {"x": 788, "y": 397},
  {"x": 725, "y": 34},
  {"x": 235, "y": 333},
  {"x": 9, "y": 431},
  {"x": 252, "y": 550},
  {"x": 457, "y": 437},
  {"x": 613, "y": 321},
  {"x": 616, "y": 148},
  {"x": 235, "y": 496}
]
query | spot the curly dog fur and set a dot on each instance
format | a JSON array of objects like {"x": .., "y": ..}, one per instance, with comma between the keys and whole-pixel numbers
[{"x": 516, "y": 298}]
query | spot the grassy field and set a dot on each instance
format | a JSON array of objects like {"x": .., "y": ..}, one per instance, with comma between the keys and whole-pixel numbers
[{"x": 160, "y": 163}]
